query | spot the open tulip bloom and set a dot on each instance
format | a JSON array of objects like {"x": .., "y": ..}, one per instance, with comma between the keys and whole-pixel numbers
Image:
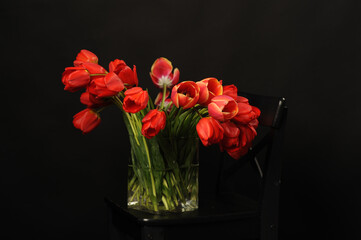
[{"x": 164, "y": 133}]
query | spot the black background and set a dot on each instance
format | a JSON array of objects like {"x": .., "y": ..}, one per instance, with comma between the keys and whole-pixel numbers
[{"x": 54, "y": 179}]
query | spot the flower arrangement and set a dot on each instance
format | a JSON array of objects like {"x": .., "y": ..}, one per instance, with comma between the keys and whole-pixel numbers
[{"x": 164, "y": 133}]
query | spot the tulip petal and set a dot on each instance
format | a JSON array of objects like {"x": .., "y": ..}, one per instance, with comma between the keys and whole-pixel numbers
[
  {"x": 241, "y": 99},
  {"x": 256, "y": 111},
  {"x": 113, "y": 82},
  {"x": 127, "y": 76},
  {"x": 175, "y": 78},
  {"x": 244, "y": 108},
  {"x": 203, "y": 92},
  {"x": 132, "y": 91},
  {"x": 204, "y": 130},
  {"x": 135, "y": 76},
  {"x": 94, "y": 68},
  {"x": 215, "y": 87},
  {"x": 161, "y": 67},
  {"x": 215, "y": 111},
  {"x": 174, "y": 96}
]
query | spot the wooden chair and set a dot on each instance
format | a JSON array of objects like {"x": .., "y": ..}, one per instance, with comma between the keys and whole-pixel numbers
[{"x": 224, "y": 212}]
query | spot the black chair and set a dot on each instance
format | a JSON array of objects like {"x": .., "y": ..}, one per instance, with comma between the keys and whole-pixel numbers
[{"x": 224, "y": 211}]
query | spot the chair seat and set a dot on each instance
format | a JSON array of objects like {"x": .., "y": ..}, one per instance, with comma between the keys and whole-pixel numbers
[{"x": 215, "y": 218}]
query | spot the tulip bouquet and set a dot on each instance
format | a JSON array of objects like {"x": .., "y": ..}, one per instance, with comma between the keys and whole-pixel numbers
[{"x": 164, "y": 133}]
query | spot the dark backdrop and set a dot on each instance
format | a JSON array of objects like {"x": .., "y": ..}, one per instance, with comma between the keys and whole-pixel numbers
[{"x": 54, "y": 179}]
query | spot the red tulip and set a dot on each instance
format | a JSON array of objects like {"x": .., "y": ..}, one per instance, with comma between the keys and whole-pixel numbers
[
  {"x": 230, "y": 90},
  {"x": 135, "y": 100},
  {"x": 75, "y": 78},
  {"x": 248, "y": 132},
  {"x": 161, "y": 73},
  {"x": 153, "y": 122},
  {"x": 85, "y": 56},
  {"x": 107, "y": 86},
  {"x": 238, "y": 152},
  {"x": 209, "y": 131},
  {"x": 237, "y": 138},
  {"x": 117, "y": 66},
  {"x": 126, "y": 74},
  {"x": 86, "y": 120},
  {"x": 91, "y": 101},
  {"x": 246, "y": 113},
  {"x": 185, "y": 94},
  {"x": 209, "y": 88},
  {"x": 223, "y": 108},
  {"x": 94, "y": 68},
  {"x": 231, "y": 136}
]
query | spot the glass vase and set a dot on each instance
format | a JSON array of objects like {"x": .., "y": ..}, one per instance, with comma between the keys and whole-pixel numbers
[{"x": 163, "y": 174}]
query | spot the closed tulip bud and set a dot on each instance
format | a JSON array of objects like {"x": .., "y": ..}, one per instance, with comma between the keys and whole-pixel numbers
[
  {"x": 85, "y": 56},
  {"x": 94, "y": 68},
  {"x": 185, "y": 94},
  {"x": 161, "y": 73},
  {"x": 75, "y": 78},
  {"x": 86, "y": 120},
  {"x": 223, "y": 108},
  {"x": 91, "y": 101},
  {"x": 128, "y": 76},
  {"x": 135, "y": 100},
  {"x": 107, "y": 86},
  {"x": 153, "y": 122},
  {"x": 209, "y": 131}
]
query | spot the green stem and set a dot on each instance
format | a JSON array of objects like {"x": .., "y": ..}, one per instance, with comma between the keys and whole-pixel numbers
[
  {"x": 135, "y": 193},
  {"x": 97, "y": 74},
  {"x": 177, "y": 188},
  {"x": 151, "y": 173},
  {"x": 163, "y": 98},
  {"x": 165, "y": 203}
]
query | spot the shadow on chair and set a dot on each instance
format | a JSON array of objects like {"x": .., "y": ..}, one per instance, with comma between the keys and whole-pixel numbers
[{"x": 225, "y": 210}]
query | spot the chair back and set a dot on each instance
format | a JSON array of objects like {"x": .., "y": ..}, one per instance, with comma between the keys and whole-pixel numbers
[{"x": 268, "y": 146}]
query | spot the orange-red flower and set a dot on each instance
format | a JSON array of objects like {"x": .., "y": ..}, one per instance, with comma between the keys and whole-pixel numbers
[
  {"x": 230, "y": 90},
  {"x": 126, "y": 74},
  {"x": 135, "y": 100},
  {"x": 85, "y": 56},
  {"x": 161, "y": 73},
  {"x": 185, "y": 94},
  {"x": 223, "y": 108},
  {"x": 209, "y": 131},
  {"x": 75, "y": 78},
  {"x": 209, "y": 88},
  {"x": 153, "y": 122},
  {"x": 246, "y": 112},
  {"x": 107, "y": 86},
  {"x": 86, "y": 120}
]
